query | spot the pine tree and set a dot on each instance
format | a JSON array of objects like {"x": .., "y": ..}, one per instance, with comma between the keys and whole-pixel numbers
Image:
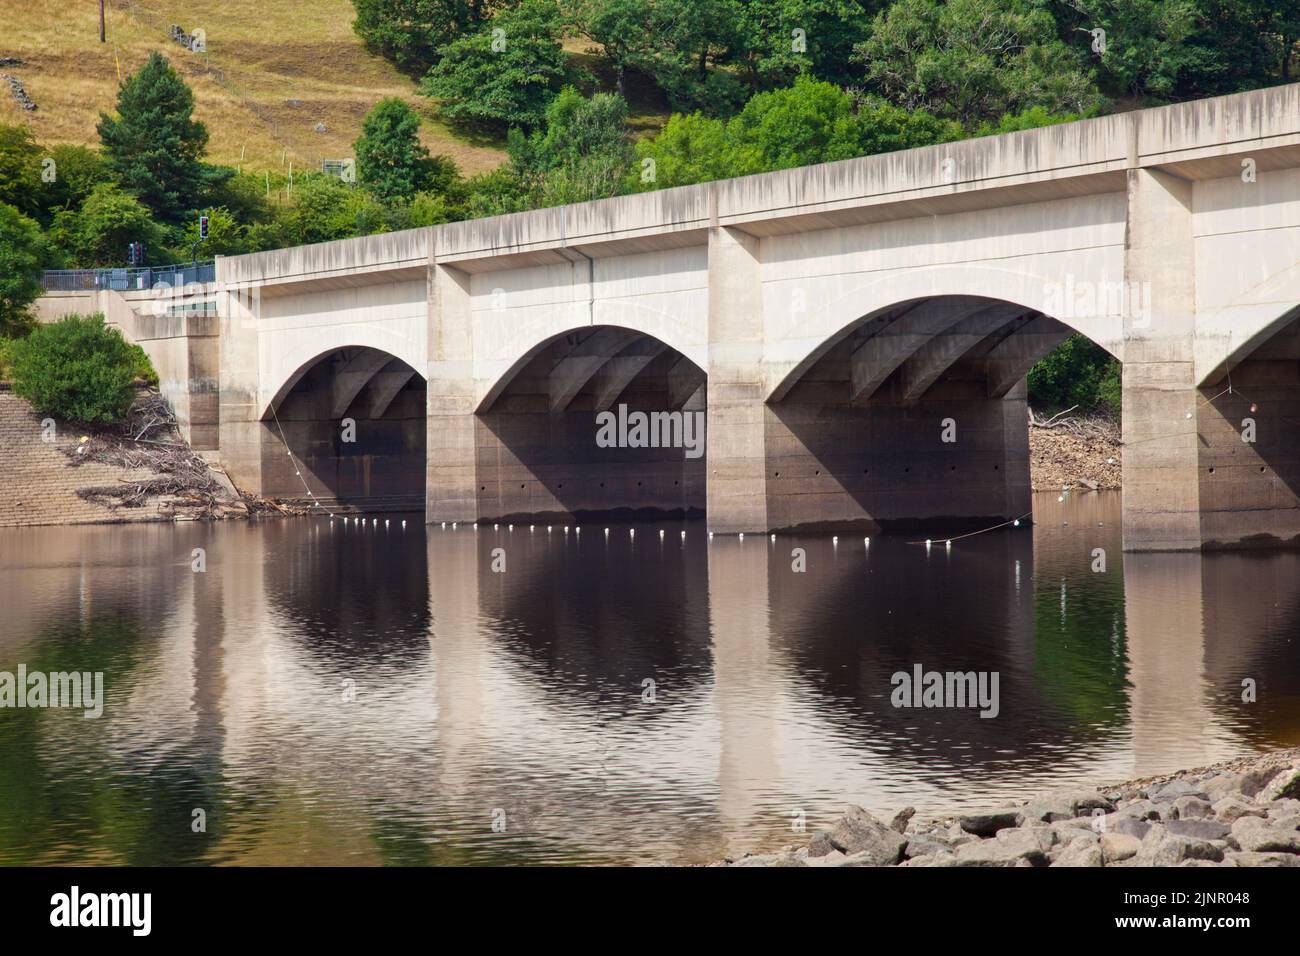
[
  {"x": 154, "y": 144},
  {"x": 390, "y": 160}
]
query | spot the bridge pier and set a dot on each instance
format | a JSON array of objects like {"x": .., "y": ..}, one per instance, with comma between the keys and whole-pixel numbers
[{"x": 1161, "y": 510}]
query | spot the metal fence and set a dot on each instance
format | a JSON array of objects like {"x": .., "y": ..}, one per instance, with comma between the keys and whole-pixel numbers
[{"x": 128, "y": 280}]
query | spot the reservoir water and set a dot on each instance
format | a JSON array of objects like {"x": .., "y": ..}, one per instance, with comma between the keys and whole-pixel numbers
[{"x": 328, "y": 693}]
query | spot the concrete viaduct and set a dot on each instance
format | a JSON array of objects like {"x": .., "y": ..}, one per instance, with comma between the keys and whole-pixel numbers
[{"x": 856, "y": 333}]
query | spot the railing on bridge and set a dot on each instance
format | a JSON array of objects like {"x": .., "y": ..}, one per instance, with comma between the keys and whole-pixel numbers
[{"x": 129, "y": 280}]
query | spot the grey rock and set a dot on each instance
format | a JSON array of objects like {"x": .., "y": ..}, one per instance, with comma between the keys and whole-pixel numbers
[
  {"x": 920, "y": 846},
  {"x": 1259, "y": 836},
  {"x": 1025, "y": 845},
  {"x": 1199, "y": 829},
  {"x": 932, "y": 859},
  {"x": 1281, "y": 809},
  {"x": 1232, "y": 808},
  {"x": 833, "y": 858},
  {"x": 1284, "y": 785},
  {"x": 1119, "y": 846},
  {"x": 820, "y": 844},
  {"x": 1064, "y": 804},
  {"x": 1191, "y": 808},
  {"x": 1251, "y": 782},
  {"x": 1220, "y": 786},
  {"x": 1081, "y": 852},
  {"x": 899, "y": 821},
  {"x": 1162, "y": 848},
  {"x": 859, "y": 833},
  {"x": 1168, "y": 792},
  {"x": 1128, "y": 826},
  {"x": 987, "y": 824},
  {"x": 1248, "y": 858}
]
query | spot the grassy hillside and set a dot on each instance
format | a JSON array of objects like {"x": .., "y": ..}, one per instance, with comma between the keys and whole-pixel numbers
[{"x": 272, "y": 72}]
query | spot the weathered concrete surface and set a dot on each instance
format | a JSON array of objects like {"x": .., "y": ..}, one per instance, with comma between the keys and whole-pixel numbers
[{"x": 840, "y": 313}]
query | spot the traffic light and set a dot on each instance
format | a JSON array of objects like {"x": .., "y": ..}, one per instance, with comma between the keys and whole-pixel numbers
[
  {"x": 134, "y": 253},
  {"x": 203, "y": 227}
]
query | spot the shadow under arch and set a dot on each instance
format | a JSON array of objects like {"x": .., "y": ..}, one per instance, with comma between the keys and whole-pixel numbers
[
  {"x": 1248, "y": 441},
  {"x": 913, "y": 417},
  {"x": 596, "y": 420},
  {"x": 352, "y": 420}
]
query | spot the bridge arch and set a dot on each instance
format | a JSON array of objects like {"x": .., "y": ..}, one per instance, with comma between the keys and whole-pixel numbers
[
  {"x": 1089, "y": 297},
  {"x": 563, "y": 423},
  {"x": 913, "y": 414},
  {"x": 353, "y": 421}
]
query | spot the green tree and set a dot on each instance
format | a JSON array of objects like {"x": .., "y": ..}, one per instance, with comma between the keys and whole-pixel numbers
[
  {"x": 817, "y": 122},
  {"x": 324, "y": 209},
  {"x": 76, "y": 369},
  {"x": 582, "y": 154},
  {"x": 412, "y": 33},
  {"x": 20, "y": 169},
  {"x": 77, "y": 171},
  {"x": 391, "y": 163},
  {"x": 1076, "y": 372},
  {"x": 771, "y": 52},
  {"x": 154, "y": 144},
  {"x": 504, "y": 72},
  {"x": 808, "y": 122},
  {"x": 691, "y": 148},
  {"x": 22, "y": 256},
  {"x": 226, "y": 235},
  {"x": 97, "y": 234},
  {"x": 974, "y": 60}
]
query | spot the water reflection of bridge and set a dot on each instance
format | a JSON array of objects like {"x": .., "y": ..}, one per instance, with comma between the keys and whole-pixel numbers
[{"x": 477, "y": 691}]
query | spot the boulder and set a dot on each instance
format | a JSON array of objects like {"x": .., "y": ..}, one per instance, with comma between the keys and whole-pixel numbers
[
  {"x": 1191, "y": 808},
  {"x": 1232, "y": 808},
  {"x": 1199, "y": 829},
  {"x": 987, "y": 824},
  {"x": 1247, "y": 858},
  {"x": 921, "y": 846},
  {"x": 820, "y": 844},
  {"x": 1025, "y": 845},
  {"x": 1285, "y": 785},
  {"x": 1171, "y": 791},
  {"x": 1259, "y": 836},
  {"x": 1063, "y": 805},
  {"x": 1162, "y": 848},
  {"x": 859, "y": 834},
  {"x": 899, "y": 821},
  {"x": 1080, "y": 852},
  {"x": 1118, "y": 846}
]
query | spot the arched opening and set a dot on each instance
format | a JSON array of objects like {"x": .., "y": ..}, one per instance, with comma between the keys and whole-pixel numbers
[
  {"x": 601, "y": 420},
  {"x": 1248, "y": 431},
  {"x": 914, "y": 418},
  {"x": 353, "y": 423}
]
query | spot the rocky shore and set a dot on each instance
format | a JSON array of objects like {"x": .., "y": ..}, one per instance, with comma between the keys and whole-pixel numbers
[{"x": 1242, "y": 813}]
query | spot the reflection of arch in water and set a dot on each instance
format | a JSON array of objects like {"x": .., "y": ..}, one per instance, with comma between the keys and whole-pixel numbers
[
  {"x": 348, "y": 594},
  {"x": 598, "y": 615},
  {"x": 847, "y": 625}
]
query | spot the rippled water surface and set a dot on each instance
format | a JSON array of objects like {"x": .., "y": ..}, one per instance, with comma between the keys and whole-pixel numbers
[{"x": 329, "y": 694}]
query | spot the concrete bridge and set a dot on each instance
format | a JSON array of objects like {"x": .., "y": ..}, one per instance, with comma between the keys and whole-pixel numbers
[{"x": 857, "y": 334}]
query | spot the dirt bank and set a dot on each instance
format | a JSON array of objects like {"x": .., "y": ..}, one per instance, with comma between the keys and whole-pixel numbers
[{"x": 1074, "y": 452}]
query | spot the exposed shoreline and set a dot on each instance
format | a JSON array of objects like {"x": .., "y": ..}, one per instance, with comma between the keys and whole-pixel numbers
[{"x": 1240, "y": 812}]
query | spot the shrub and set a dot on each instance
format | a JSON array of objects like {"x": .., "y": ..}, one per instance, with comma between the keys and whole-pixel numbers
[
  {"x": 1076, "y": 372},
  {"x": 77, "y": 369}
]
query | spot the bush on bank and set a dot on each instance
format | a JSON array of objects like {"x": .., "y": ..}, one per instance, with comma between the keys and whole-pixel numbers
[{"x": 78, "y": 369}]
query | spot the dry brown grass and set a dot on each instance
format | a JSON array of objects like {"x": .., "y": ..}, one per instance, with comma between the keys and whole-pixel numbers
[{"x": 272, "y": 72}]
